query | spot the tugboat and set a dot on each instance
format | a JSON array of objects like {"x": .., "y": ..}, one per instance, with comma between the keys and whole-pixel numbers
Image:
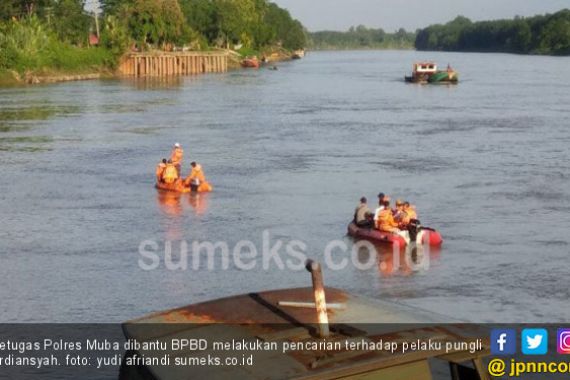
[{"x": 427, "y": 73}]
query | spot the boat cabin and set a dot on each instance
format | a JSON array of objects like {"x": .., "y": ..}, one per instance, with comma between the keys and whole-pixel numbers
[{"x": 424, "y": 68}]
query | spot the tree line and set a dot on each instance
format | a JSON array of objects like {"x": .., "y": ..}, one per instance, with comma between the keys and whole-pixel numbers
[
  {"x": 201, "y": 23},
  {"x": 58, "y": 34},
  {"x": 543, "y": 34},
  {"x": 361, "y": 37}
]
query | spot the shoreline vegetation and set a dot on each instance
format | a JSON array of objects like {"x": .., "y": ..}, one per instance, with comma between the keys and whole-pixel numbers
[
  {"x": 547, "y": 34},
  {"x": 361, "y": 38},
  {"x": 44, "y": 41}
]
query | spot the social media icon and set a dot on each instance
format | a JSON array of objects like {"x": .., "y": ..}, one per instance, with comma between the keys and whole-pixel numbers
[
  {"x": 534, "y": 341},
  {"x": 503, "y": 342},
  {"x": 563, "y": 341}
]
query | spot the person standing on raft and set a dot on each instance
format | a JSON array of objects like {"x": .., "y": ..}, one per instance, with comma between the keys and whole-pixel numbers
[{"x": 177, "y": 156}]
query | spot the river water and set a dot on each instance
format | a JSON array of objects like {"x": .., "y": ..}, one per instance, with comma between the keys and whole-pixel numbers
[{"x": 290, "y": 152}]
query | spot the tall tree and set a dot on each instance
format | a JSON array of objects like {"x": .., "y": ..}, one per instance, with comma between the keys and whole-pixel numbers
[
  {"x": 22, "y": 8},
  {"x": 70, "y": 21},
  {"x": 154, "y": 21}
]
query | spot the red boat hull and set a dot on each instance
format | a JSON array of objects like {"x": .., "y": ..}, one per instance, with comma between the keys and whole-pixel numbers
[
  {"x": 250, "y": 63},
  {"x": 430, "y": 237}
]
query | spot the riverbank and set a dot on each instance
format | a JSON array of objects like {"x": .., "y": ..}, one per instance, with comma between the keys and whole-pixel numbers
[
  {"x": 11, "y": 78},
  {"x": 361, "y": 48}
]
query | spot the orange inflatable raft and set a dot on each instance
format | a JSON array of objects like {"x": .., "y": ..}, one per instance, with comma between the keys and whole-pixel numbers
[{"x": 179, "y": 187}]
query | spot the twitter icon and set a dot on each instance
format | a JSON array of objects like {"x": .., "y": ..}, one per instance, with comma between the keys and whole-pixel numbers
[{"x": 534, "y": 341}]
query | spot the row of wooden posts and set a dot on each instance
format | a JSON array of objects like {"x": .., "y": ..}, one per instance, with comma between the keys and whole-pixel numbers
[{"x": 171, "y": 64}]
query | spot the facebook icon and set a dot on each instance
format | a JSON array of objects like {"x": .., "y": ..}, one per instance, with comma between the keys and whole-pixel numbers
[{"x": 503, "y": 342}]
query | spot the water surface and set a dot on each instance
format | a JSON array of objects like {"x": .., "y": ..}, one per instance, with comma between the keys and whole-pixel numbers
[{"x": 290, "y": 151}]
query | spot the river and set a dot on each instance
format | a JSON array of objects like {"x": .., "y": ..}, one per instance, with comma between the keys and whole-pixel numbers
[{"x": 290, "y": 152}]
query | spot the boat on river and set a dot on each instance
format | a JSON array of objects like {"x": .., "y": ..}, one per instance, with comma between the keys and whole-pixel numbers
[
  {"x": 294, "y": 317},
  {"x": 180, "y": 187},
  {"x": 424, "y": 236},
  {"x": 298, "y": 54},
  {"x": 252, "y": 63},
  {"x": 428, "y": 73}
]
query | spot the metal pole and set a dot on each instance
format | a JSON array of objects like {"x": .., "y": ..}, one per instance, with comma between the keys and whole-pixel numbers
[
  {"x": 319, "y": 293},
  {"x": 97, "y": 25}
]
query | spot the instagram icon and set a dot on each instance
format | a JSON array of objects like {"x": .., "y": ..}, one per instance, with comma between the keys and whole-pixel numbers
[{"x": 563, "y": 341}]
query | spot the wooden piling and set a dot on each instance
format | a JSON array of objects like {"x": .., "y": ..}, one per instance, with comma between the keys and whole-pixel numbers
[{"x": 165, "y": 64}]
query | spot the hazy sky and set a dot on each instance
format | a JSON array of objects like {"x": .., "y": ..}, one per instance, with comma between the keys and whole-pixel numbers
[{"x": 410, "y": 14}]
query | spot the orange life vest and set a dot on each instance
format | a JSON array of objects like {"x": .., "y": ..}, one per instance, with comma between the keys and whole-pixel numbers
[
  {"x": 196, "y": 175},
  {"x": 386, "y": 221},
  {"x": 411, "y": 212},
  {"x": 170, "y": 174}
]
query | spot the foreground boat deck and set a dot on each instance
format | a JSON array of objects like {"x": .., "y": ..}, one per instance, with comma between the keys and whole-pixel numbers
[{"x": 259, "y": 318}]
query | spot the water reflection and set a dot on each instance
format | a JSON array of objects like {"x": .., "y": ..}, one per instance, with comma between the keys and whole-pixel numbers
[
  {"x": 156, "y": 83},
  {"x": 198, "y": 202},
  {"x": 170, "y": 202},
  {"x": 4, "y": 127},
  {"x": 175, "y": 207},
  {"x": 390, "y": 261},
  {"x": 38, "y": 112},
  {"x": 25, "y": 143}
]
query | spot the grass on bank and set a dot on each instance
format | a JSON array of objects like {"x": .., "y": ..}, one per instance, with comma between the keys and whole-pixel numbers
[{"x": 27, "y": 46}]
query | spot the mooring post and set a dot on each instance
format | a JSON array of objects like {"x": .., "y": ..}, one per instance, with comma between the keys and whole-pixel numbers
[{"x": 319, "y": 293}]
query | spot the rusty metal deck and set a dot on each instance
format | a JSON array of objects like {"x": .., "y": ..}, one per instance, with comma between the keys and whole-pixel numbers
[{"x": 258, "y": 317}]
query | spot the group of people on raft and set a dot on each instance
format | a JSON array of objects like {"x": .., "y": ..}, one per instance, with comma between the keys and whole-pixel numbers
[
  {"x": 168, "y": 173},
  {"x": 384, "y": 218}
]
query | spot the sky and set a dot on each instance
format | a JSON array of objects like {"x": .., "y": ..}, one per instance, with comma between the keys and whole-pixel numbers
[{"x": 391, "y": 15}]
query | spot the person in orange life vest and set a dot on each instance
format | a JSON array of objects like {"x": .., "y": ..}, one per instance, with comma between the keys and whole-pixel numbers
[
  {"x": 386, "y": 223},
  {"x": 160, "y": 170},
  {"x": 398, "y": 212},
  {"x": 386, "y": 220},
  {"x": 196, "y": 177},
  {"x": 410, "y": 211},
  {"x": 170, "y": 174},
  {"x": 177, "y": 156}
]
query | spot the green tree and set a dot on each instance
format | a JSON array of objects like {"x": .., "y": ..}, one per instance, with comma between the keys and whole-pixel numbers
[
  {"x": 8, "y": 9},
  {"x": 70, "y": 21},
  {"x": 154, "y": 22},
  {"x": 22, "y": 8},
  {"x": 115, "y": 36},
  {"x": 521, "y": 36},
  {"x": 237, "y": 19},
  {"x": 555, "y": 37},
  {"x": 548, "y": 34},
  {"x": 201, "y": 16}
]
